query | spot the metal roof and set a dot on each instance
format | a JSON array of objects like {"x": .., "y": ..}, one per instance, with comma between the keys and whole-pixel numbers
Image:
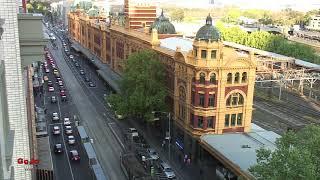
[
  {"x": 172, "y": 43},
  {"x": 90, "y": 151},
  {"x": 240, "y": 148},
  {"x": 82, "y": 132},
  {"x": 98, "y": 172}
]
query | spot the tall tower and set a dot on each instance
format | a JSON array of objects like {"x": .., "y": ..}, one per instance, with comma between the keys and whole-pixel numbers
[
  {"x": 140, "y": 13},
  {"x": 14, "y": 137}
]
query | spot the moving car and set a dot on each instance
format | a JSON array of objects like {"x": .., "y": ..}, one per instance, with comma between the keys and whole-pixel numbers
[
  {"x": 50, "y": 83},
  {"x": 47, "y": 70},
  {"x": 71, "y": 140},
  {"x": 56, "y": 130},
  {"x": 71, "y": 56},
  {"x": 51, "y": 89},
  {"x": 53, "y": 99},
  {"x": 58, "y": 148},
  {"x": 66, "y": 121},
  {"x": 55, "y": 116},
  {"x": 91, "y": 84},
  {"x": 166, "y": 169},
  {"x": 62, "y": 93},
  {"x": 74, "y": 155},
  {"x": 60, "y": 83},
  {"x": 82, "y": 72},
  {"x": 68, "y": 129},
  {"x": 153, "y": 154},
  {"x": 64, "y": 98}
]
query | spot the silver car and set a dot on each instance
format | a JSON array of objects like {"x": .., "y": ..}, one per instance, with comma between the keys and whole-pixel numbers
[
  {"x": 153, "y": 154},
  {"x": 68, "y": 130},
  {"x": 55, "y": 116},
  {"x": 56, "y": 130},
  {"x": 166, "y": 169},
  {"x": 71, "y": 140}
]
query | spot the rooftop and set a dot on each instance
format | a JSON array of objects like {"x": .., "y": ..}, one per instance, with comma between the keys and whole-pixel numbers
[{"x": 242, "y": 152}]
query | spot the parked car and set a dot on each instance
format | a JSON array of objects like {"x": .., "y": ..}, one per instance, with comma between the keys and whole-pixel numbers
[
  {"x": 71, "y": 56},
  {"x": 58, "y": 148},
  {"x": 71, "y": 140},
  {"x": 53, "y": 99},
  {"x": 166, "y": 169},
  {"x": 74, "y": 155},
  {"x": 68, "y": 129},
  {"x": 66, "y": 121},
  {"x": 153, "y": 154},
  {"x": 51, "y": 89},
  {"x": 56, "y": 130},
  {"x": 82, "y": 72},
  {"x": 91, "y": 84},
  {"x": 55, "y": 116}
]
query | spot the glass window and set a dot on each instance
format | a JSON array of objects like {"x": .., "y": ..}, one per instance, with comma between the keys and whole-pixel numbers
[
  {"x": 226, "y": 120},
  {"x": 229, "y": 101},
  {"x": 237, "y": 77},
  {"x": 233, "y": 119},
  {"x": 200, "y": 122},
  {"x": 213, "y": 78},
  {"x": 235, "y": 99},
  {"x": 239, "y": 119},
  {"x": 229, "y": 78},
  {"x": 201, "y": 100},
  {"x": 202, "y": 78},
  {"x": 240, "y": 102},
  {"x": 203, "y": 54},
  {"x": 213, "y": 54},
  {"x": 210, "y": 122},
  {"x": 244, "y": 77},
  {"x": 211, "y": 100}
]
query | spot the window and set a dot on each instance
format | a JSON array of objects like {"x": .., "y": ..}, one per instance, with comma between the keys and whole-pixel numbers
[
  {"x": 211, "y": 100},
  {"x": 244, "y": 77},
  {"x": 233, "y": 119},
  {"x": 235, "y": 99},
  {"x": 202, "y": 78},
  {"x": 213, "y": 78},
  {"x": 195, "y": 52},
  {"x": 226, "y": 120},
  {"x": 201, "y": 100},
  {"x": 239, "y": 119},
  {"x": 200, "y": 122},
  {"x": 182, "y": 98},
  {"x": 210, "y": 122},
  {"x": 229, "y": 78},
  {"x": 203, "y": 54},
  {"x": 193, "y": 97},
  {"x": 213, "y": 54},
  {"x": 237, "y": 77}
]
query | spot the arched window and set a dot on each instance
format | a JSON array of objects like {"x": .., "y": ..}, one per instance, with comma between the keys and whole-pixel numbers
[
  {"x": 237, "y": 77},
  {"x": 213, "y": 78},
  {"x": 229, "y": 78},
  {"x": 235, "y": 99},
  {"x": 244, "y": 77},
  {"x": 202, "y": 78}
]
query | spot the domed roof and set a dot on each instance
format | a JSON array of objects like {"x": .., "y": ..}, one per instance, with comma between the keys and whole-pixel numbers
[
  {"x": 163, "y": 25},
  {"x": 208, "y": 31},
  {"x": 93, "y": 12}
]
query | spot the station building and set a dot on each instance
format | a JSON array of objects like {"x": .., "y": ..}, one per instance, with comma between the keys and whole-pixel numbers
[{"x": 210, "y": 84}]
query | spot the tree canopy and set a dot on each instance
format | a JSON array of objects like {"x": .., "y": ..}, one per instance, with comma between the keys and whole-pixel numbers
[
  {"x": 142, "y": 86},
  {"x": 296, "y": 157}
]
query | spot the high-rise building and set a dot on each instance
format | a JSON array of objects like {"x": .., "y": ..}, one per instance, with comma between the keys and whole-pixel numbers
[{"x": 14, "y": 136}]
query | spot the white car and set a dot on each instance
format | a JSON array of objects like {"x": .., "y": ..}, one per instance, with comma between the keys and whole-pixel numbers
[
  {"x": 47, "y": 70},
  {"x": 66, "y": 121},
  {"x": 71, "y": 56},
  {"x": 55, "y": 116},
  {"x": 56, "y": 130},
  {"x": 68, "y": 129},
  {"x": 51, "y": 89},
  {"x": 71, "y": 140}
]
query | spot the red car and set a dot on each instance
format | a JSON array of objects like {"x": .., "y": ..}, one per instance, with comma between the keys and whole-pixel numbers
[
  {"x": 74, "y": 155},
  {"x": 62, "y": 93}
]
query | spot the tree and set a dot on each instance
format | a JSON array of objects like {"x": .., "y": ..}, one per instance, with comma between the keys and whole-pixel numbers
[
  {"x": 177, "y": 15},
  {"x": 29, "y": 8},
  {"x": 296, "y": 157},
  {"x": 142, "y": 86}
]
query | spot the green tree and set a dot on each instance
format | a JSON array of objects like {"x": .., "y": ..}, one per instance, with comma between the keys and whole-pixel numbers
[
  {"x": 177, "y": 15},
  {"x": 232, "y": 15},
  {"x": 142, "y": 86},
  {"x": 30, "y": 8},
  {"x": 296, "y": 157}
]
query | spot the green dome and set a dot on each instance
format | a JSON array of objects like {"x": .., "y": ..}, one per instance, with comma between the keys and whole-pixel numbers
[
  {"x": 208, "y": 31},
  {"x": 93, "y": 12},
  {"x": 163, "y": 25}
]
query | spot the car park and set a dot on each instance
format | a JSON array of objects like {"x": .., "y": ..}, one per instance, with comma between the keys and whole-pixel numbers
[
  {"x": 91, "y": 84},
  {"x": 51, "y": 89},
  {"x": 74, "y": 155},
  {"x": 53, "y": 99},
  {"x": 56, "y": 130},
  {"x": 71, "y": 140},
  {"x": 58, "y": 148},
  {"x": 55, "y": 116},
  {"x": 153, "y": 154},
  {"x": 68, "y": 129},
  {"x": 66, "y": 121},
  {"x": 166, "y": 169}
]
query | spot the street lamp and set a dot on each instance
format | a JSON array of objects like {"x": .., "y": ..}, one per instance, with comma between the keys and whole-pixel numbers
[{"x": 169, "y": 135}]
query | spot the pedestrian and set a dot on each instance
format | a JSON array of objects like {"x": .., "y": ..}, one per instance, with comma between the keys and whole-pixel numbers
[
  {"x": 185, "y": 158},
  {"x": 189, "y": 161}
]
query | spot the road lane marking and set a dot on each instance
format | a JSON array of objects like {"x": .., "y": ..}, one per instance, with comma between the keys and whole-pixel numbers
[
  {"x": 66, "y": 151},
  {"x": 115, "y": 134}
]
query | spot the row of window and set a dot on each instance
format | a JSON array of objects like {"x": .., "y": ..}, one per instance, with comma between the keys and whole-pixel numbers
[
  {"x": 205, "y": 54},
  {"x": 211, "y": 100},
  {"x": 237, "y": 78},
  {"x": 209, "y": 121},
  {"x": 233, "y": 120},
  {"x": 202, "y": 79}
]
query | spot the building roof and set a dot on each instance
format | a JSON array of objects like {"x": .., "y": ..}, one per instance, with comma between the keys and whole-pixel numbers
[
  {"x": 208, "y": 32},
  {"x": 172, "y": 43},
  {"x": 240, "y": 148},
  {"x": 163, "y": 25}
]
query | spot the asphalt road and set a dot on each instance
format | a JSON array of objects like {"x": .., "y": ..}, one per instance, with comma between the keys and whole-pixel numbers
[
  {"x": 93, "y": 115},
  {"x": 64, "y": 168}
]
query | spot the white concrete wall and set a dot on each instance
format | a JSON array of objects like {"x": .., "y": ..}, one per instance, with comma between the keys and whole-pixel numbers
[{"x": 18, "y": 126}]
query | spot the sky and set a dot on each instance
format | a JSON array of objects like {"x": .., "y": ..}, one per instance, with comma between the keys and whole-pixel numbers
[{"x": 301, "y": 5}]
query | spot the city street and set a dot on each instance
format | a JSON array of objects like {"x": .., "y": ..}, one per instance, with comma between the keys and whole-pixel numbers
[{"x": 91, "y": 109}]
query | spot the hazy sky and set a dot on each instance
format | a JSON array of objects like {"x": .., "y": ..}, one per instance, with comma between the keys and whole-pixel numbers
[{"x": 302, "y": 5}]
